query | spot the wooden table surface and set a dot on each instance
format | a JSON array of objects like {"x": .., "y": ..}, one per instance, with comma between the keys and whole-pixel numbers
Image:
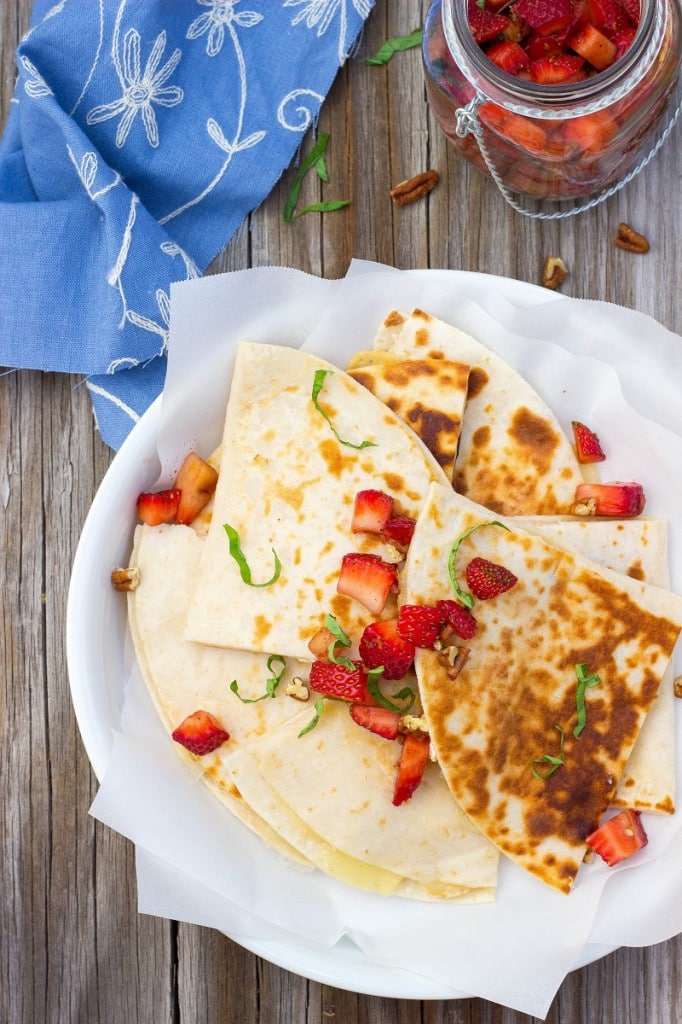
[{"x": 72, "y": 945}]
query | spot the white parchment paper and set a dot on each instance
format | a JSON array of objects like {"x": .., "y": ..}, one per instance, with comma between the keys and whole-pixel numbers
[{"x": 619, "y": 371}]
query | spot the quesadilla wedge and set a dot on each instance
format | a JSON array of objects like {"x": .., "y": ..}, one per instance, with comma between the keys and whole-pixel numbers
[
  {"x": 513, "y": 456},
  {"x": 535, "y": 731},
  {"x": 301, "y": 440}
]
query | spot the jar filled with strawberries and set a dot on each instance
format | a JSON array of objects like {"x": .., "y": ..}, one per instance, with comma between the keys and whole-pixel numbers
[{"x": 556, "y": 99}]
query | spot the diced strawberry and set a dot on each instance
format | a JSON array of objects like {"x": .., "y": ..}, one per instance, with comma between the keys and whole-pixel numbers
[
  {"x": 551, "y": 70},
  {"x": 622, "y": 39},
  {"x": 607, "y": 15},
  {"x": 319, "y": 644},
  {"x": 619, "y": 837},
  {"x": 156, "y": 507},
  {"x": 398, "y": 530},
  {"x": 378, "y": 720},
  {"x": 458, "y": 618},
  {"x": 381, "y": 645},
  {"x": 367, "y": 579},
  {"x": 200, "y": 733},
  {"x": 590, "y": 133},
  {"x": 340, "y": 682},
  {"x": 593, "y": 46},
  {"x": 509, "y": 56},
  {"x": 588, "y": 448},
  {"x": 485, "y": 24},
  {"x": 523, "y": 132},
  {"x": 419, "y": 623},
  {"x": 413, "y": 758},
  {"x": 488, "y": 579},
  {"x": 632, "y": 9},
  {"x": 618, "y": 498},
  {"x": 545, "y": 16},
  {"x": 196, "y": 481},
  {"x": 539, "y": 46},
  {"x": 371, "y": 511}
]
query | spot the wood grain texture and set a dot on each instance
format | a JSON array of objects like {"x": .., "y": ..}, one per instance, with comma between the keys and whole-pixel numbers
[{"x": 73, "y": 949}]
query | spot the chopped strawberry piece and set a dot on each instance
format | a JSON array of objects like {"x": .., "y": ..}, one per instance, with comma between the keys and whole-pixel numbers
[
  {"x": 319, "y": 644},
  {"x": 371, "y": 511},
  {"x": 340, "y": 682},
  {"x": 587, "y": 444},
  {"x": 458, "y": 618},
  {"x": 381, "y": 645},
  {"x": 398, "y": 530},
  {"x": 622, "y": 40},
  {"x": 632, "y": 9},
  {"x": 523, "y": 132},
  {"x": 607, "y": 15},
  {"x": 488, "y": 579},
  {"x": 545, "y": 16},
  {"x": 590, "y": 133},
  {"x": 619, "y": 837},
  {"x": 618, "y": 498},
  {"x": 420, "y": 624},
  {"x": 509, "y": 56},
  {"x": 593, "y": 46},
  {"x": 367, "y": 579},
  {"x": 485, "y": 24},
  {"x": 545, "y": 46},
  {"x": 196, "y": 481},
  {"x": 378, "y": 720},
  {"x": 551, "y": 70},
  {"x": 200, "y": 733},
  {"x": 156, "y": 507},
  {"x": 413, "y": 758}
]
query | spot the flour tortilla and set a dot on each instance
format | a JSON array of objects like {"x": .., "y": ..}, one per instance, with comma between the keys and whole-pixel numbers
[
  {"x": 429, "y": 395},
  {"x": 323, "y": 800},
  {"x": 513, "y": 456},
  {"x": 518, "y": 684},
  {"x": 287, "y": 485},
  {"x": 638, "y": 548}
]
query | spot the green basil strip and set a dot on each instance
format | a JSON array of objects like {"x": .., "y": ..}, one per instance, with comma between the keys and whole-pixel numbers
[
  {"x": 329, "y": 207},
  {"x": 271, "y": 683},
  {"x": 395, "y": 45},
  {"x": 465, "y": 598},
  {"x": 318, "y": 384},
  {"x": 406, "y": 695},
  {"x": 311, "y": 160},
  {"x": 238, "y": 555},
  {"x": 321, "y": 168},
  {"x": 554, "y": 762},
  {"x": 339, "y": 638},
  {"x": 585, "y": 682},
  {"x": 319, "y": 704}
]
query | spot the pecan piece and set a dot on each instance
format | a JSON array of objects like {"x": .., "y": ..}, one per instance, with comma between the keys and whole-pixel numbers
[
  {"x": 631, "y": 240},
  {"x": 554, "y": 272},
  {"x": 677, "y": 685},
  {"x": 126, "y": 579},
  {"x": 414, "y": 188}
]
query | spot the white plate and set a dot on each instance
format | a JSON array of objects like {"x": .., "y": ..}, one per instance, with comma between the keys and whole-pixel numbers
[{"x": 96, "y": 642}]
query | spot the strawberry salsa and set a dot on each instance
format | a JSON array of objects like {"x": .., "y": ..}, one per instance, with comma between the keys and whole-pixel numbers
[
  {"x": 557, "y": 57},
  {"x": 387, "y": 646}
]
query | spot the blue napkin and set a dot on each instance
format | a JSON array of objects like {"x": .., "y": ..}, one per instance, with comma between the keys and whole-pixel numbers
[{"x": 140, "y": 134}]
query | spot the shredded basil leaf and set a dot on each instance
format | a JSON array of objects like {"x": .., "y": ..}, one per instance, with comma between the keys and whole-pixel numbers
[
  {"x": 271, "y": 683},
  {"x": 550, "y": 759},
  {"x": 407, "y": 695},
  {"x": 318, "y": 384},
  {"x": 334, "y": 204},
  {"x": 584, "y": 682},
  {"x": 395, "y": 45},
  {"x": 321, "y": 169},
  {"x": 238, "y": 555},
  {"x": 319, "y": 704},
  {"x": 465, "y": 598},
  {"x": 316, "y": 159},
  {"x": 339, "y": 638}
]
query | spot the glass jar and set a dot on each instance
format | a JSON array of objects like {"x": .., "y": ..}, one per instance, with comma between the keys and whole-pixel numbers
[{"x": 556, "y": 142}]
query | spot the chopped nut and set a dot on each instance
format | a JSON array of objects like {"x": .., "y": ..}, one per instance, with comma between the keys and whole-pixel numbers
[
  {"x": 413, "y": 723},
  {"x": 414, "y": 188},
  {"x": 631, "y": 240},
  {"x": 589, "y": 856},
  {"x": 297, "y": 689},
  {"x": 126, "y": 579},
  {"x": 456, "y": 658},
  {"x": 432, "y": 753},
  {"x": 554, "y": 272},
  {"x": 585, "y": 508},
  {"x": 677, "y": 686}
]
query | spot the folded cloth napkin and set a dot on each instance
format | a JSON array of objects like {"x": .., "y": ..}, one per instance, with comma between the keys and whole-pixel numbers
[{"x": 140, "y": 135}]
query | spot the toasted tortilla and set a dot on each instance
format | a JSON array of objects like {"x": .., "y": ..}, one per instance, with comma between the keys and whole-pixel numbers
[
  {"x": 429, "y": 395},
  {"x": 513, "y": 456},
  {"x": 287, "y": 486},
  {"x": 337, "y": 817},
  {"x": 514, "y": 701},
  {"x": 638, "y": 548}
]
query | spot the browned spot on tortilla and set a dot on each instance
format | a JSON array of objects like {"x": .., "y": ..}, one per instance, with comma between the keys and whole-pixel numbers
[
  {"x": 481, "y": 437},
  {"x": 636, "y": 571},
  {"x": 365, "y": 379},
  {"x": 394, "y": 319},
  {"x": 536, "y": 436},
  {"x": 478, "y": 379},
  {"x": 334, "y": 457},
  {"x": 261, "y": 628},
  {"x": 400, "y": 374},
  {"x": 666, "y": 806},
  {"x": 421, "y": 338},
  {"x": 437, "y": 430},
  {"x": 394, "y": 482}
]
